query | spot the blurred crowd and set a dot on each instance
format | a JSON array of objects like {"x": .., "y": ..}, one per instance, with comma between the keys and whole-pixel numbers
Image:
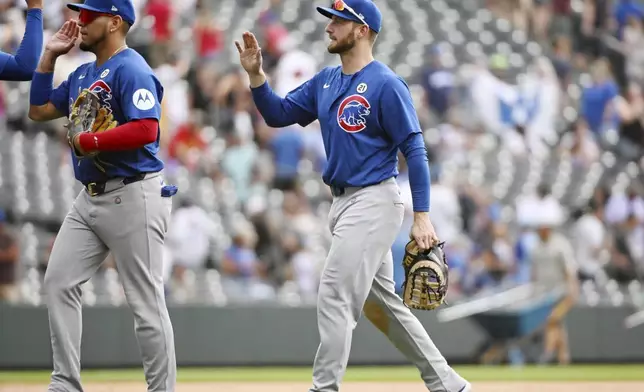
[{"x": 211, "y": 130}]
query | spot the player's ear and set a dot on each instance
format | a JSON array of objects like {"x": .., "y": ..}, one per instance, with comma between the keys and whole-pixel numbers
[
  {"x": 364, "y": 31},
  {"x": 115, "y": 24}
]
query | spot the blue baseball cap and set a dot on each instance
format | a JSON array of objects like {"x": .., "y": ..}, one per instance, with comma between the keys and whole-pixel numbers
[
  {"x": 360, "y": 11},
  {"x": 122, "y": 8}
]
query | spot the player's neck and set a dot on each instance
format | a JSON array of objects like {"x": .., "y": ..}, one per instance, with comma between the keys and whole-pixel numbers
[
  {"x": 355, "y": 59},
  {"x": 108, "y": 50}
]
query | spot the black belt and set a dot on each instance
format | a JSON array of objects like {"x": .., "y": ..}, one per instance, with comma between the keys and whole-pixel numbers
[
  {"x": 337, "y": 191},
  {"x": 98, "y": 188}
]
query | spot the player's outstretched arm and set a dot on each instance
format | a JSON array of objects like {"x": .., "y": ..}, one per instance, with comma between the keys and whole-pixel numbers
[
  {"x": 22, "y": 65},
  {"x": 45, "y": 102},
  {"x": 298, "y": 108}
]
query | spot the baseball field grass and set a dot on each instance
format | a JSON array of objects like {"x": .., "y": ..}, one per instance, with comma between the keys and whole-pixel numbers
[{"x": 357, "y": 379}]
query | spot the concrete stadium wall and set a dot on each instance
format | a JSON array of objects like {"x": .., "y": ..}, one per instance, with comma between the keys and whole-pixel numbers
[{"x": 207, "y": 336}]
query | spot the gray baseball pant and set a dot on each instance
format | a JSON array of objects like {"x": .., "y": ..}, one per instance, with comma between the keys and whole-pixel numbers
[
  {"x": 130, "y": 222},
  {"x": 357, "y": 276}
]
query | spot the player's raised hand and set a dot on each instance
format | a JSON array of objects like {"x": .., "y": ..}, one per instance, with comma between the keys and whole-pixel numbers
[
  {"x": 250, "y": 55},
  {"x": 423, "y": 231},
  {"x": 64, "y": 39}
]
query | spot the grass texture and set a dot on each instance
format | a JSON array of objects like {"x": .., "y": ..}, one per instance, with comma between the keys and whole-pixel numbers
[{"x": 371, "y": 374}]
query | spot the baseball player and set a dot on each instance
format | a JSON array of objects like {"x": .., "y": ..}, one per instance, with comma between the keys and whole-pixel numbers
[
  {"x": 21, "y": 67},
  {"x": 113, "y": 107},
  {"x": 366, "y": 114}
]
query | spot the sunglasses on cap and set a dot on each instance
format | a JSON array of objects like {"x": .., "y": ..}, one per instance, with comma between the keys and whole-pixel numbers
[
  {"x": 340, "y": 5},
  {"x": 86, "y": 16}
]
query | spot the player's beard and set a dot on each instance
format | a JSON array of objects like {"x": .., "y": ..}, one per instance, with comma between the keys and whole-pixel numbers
[
  {"x": 91, "y": 46},
  {"x": 339, "y": 47}
]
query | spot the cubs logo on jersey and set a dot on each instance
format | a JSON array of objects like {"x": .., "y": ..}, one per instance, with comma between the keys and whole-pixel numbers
[
  {"x": 353, "y": 112},
  {"x": 104, "y": 92}
]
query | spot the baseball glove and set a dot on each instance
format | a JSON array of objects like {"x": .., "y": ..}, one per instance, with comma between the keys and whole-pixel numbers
[
  {"x": 82, "y": 116},
  {"x": 104, "y": 121},
  {"x": 426, "y": 277}
]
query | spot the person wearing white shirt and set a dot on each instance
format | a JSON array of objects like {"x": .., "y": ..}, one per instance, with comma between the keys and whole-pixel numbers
[
  {"x": 189, "y": 237},
  {"x": 589, "y": 236},
  {"x": 621, "y": 205}
]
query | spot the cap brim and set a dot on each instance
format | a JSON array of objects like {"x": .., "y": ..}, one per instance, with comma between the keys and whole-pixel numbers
[
  {"x": 78, "y": 7},
  {"x": 330, "y": 13}
]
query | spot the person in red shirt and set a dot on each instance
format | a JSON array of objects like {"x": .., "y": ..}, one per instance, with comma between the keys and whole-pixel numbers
[
  {"x": 162, "y": 29},
  {"x": 187, "y": 144},
  {"x": 208, "y": 37}
]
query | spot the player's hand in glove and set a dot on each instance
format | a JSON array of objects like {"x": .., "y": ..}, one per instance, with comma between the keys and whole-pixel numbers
[
  {"x": 82, "y": 118},
  {"x": 426, "y": 276},
  {"x": 104, "y": 121}
]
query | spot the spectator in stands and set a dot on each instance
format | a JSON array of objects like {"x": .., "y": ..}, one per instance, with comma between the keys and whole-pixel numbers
[
  {"x": 439, "y": 83},
  {"x": 620, "y": 206},
  {"x": 209, "y": 39},
  {"x": 455, "y": 140},
  {"x": 287, "y": 146},
  {"x": 176, "y": 104},
  {"x": 562, "y": 18},
  {"x": 530, "y": 207},
  {"x": 634, "y": 45},
  {"x": 446, "y": 209},
  {"x": 541, "y": 14},
  {"x": 601, "y": 103},
  {"x": 627, "y": 263},
  {"x": 590, "y": 241},
  {"x": 631, "y": 143},
  {"x": 580, "y": 144},
  {"x": 189, "y": 240},
  {"x": 163, "y": 29},
  {"x": 624, "y": 11},
  {"x": 540, "y": 104},
  {"x": 562, "y": 59},
  {"x": 243, "y": 275},
  {"x": 594, "y": 23},
  {"x": 301, "y": 266},
  {"x": 272, "y": 36},
  {"x": 238, "y": 161},
  {"x": 9, "y": 254},
  {"x": 187, "y": 145}
]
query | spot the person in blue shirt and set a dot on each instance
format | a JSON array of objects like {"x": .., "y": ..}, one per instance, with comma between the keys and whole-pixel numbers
[
  {"x": 600, "y": 101},
  {"x": 124, "y": 207},
  {"x": 366, "y": 115},
  {"x": 21, "y": 66}
]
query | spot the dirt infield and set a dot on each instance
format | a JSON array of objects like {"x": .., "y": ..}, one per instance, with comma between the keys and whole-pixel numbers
[{"x": 510, "y": 386}]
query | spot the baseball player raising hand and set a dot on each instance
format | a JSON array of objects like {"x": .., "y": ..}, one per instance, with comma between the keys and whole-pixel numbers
[
  {"x": 113, "y": 107},
  {"x": 22, "y": 65},
  {"x": 366, "y": 115}
]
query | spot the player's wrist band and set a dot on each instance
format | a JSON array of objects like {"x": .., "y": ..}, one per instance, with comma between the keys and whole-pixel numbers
[
  {"x": 35, "y": 12},
  {"x": 41, "y": 87}
]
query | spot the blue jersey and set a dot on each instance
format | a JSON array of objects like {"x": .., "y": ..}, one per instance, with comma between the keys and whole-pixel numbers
[
  {"x": 364, "y": 118},
  {"x": 129, "y": 90}
]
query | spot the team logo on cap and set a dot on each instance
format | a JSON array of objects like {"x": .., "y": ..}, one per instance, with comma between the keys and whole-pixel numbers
[
  {"x": 338, "y": 5},
  {"x": 353, "y": 112}
]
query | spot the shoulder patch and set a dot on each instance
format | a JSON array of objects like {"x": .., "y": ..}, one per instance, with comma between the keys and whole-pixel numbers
[{"x": 143, "y": 99}]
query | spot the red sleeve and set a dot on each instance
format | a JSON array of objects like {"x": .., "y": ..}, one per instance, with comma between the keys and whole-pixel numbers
[{"x": 129, "y": 136}]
